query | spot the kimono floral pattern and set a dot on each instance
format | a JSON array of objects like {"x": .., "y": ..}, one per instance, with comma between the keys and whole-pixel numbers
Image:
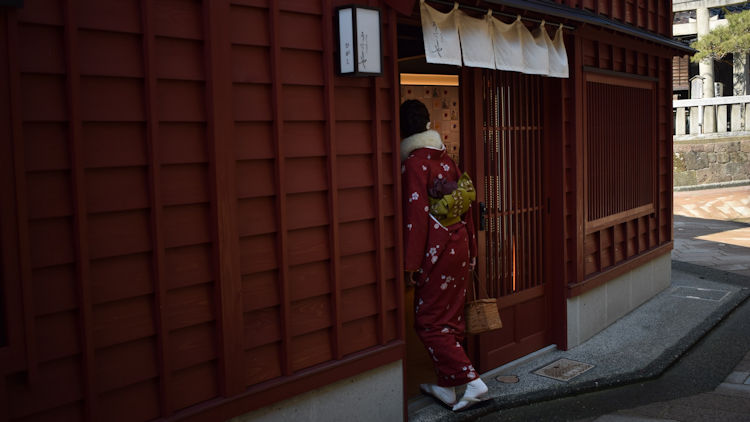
[{"x": 439, "y": 256}]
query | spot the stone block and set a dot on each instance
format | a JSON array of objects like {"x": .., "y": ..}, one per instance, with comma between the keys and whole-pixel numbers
[
  {"x": 574, "y": 338},
  {"x": 642, "y": 285},
  {"x": 722, "y": 157},
  {"x": 696, "y": 161},
  {"x": 686, "y": 178},
  {"x": 592, "y": 317},
  {"x": 745, "y": 146},
  {"x": 721, "y": 118},
  {"x": 703, "y": 176},
  {"x": 709, "y": 119},
  {"x": 694, "y": 126},
  {"x": 678, "y": 162},
  {"x": 737, "y": 157},
  {"x": 736, "y": 117},
  {"x": 711, "y": 157},
  {"x": 618, "y": 299},
  {"x": 680, "y": 121}
]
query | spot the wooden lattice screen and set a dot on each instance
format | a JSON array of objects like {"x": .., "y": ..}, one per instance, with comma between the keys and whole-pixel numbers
[
  {"x": 514, "y": 190},
  {"x": 619, "y": 153}
]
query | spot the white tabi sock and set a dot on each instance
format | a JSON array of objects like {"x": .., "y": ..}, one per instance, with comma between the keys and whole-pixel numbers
[{"x": 474, "y": 390}]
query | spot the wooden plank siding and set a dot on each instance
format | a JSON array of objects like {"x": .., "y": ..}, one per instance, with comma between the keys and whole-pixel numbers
[
  {"x": 651, "y": 15},
  {"x": 597, "y": 251},
  {"x": 199, "y": 226}
]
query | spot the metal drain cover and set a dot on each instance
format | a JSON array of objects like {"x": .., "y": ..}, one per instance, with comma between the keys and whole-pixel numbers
[
  {"x": 699, "y": 293},
  {"x": 563, "y": 369}
]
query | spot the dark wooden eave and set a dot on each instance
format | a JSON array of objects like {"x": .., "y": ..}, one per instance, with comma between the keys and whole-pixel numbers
[{"x": 561, "y": 11}]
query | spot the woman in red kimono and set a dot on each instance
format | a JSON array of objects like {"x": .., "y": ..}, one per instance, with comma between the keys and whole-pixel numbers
[{"x": 440, "y": 251}]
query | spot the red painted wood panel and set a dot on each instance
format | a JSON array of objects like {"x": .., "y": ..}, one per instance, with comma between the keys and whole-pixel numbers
[
  {"x": 41, "y": 49},
  {"x": 126, "y": 364},
  {"x": 120, "y": 277},
  {"x": 192, "y": 345},
  {"x": 259, "y": 290},
  {"x": 130, "y": 164},
  {"x": 54, "y": 290},
  {"x": 118, "y": 405}
]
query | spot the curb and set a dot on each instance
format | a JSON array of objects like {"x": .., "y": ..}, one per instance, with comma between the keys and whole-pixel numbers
[{"x": 652, "y": 370}]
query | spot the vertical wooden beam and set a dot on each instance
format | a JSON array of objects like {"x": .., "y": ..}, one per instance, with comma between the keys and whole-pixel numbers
[
  {"x": 157, "y": 236},
  {"x": 398, "y": 234},
  {"x": 23, "y": 339},
  {"x": 80, "y": 213},
  {"x": 377, "y": 151},
  {"x": 329, "y": 99},
  {"x": 280, "y": 186},
  {"x": 224, "y": 197},
  {"x": 15, "y": 224},
  {"x": 578, "y": 94}
]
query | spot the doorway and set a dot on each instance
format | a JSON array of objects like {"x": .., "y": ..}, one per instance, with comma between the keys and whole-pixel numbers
[
  {"x": 439, "y": 92},
  {"x": 515, "y": 239}
]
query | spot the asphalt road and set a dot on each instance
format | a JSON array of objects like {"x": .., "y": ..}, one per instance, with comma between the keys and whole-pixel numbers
[{"x": 699, "y": 370}]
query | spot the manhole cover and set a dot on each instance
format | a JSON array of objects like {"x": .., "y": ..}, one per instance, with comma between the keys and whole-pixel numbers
[
  {"x": 563, "y": 369},
  {"x": 700, "y": 293}
]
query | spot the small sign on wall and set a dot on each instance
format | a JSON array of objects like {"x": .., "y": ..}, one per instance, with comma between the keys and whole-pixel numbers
[{"x": 359, "y": 41}]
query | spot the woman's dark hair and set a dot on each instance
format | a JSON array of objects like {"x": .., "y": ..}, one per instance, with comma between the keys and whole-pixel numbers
[{"x": 414, "y": 117}]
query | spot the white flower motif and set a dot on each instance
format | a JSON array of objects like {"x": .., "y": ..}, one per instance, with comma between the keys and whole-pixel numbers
[
  {"x": 436, "y": 225},
  {"x": 414, "y": 196},
  {"x": 458, "y": 344},
  {"x": 409, "y": 226},
  {"x": 453, "y": 251},
  {"x": 440, "y": 176},
  {"x": 429, "y": 157},
  {"x": 432, "y": 251},
  {"x": 459, "y": 317},
  {"x": 445, "y": 167},
  {"x": 463, "y": 264},
  {"x": 424, "y": 168},
  {"x": 471, "y": 375},
  {"x": 445, "y": 330},
  {"x": 421, "y": 301},
  {"x": 444, "y": 286},
  {"x": 434, "y": 259},
  {"x": 426, "y": 208}
]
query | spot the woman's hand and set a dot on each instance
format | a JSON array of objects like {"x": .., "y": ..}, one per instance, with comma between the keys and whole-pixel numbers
[{"x": 408, "y": 279}]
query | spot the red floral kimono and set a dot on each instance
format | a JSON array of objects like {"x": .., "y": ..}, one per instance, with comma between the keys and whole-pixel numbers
[{"x": 438, "y": 255}]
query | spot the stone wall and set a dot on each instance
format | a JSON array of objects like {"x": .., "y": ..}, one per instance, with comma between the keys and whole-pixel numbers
[{"x": 710, "y": 162}]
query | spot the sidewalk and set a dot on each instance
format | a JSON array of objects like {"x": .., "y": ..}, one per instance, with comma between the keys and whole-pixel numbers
[{"x": 645, "y": 342}]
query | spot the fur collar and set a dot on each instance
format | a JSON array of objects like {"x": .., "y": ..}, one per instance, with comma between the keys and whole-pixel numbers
[{"x": 426, "y": 139}]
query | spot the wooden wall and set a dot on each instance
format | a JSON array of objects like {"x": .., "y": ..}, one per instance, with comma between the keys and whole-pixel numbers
[
  {"x": 199, "y": 217},
  {"x": 597, "y": 253},
  {"x": 651, "y": 15}
]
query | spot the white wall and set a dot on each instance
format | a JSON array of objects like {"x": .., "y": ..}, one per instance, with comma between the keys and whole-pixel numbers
[
  {"x": 376, "y": 395},
  {"x": 595, "y": 310}
]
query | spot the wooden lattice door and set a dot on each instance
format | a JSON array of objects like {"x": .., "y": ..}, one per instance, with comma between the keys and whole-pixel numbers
[{"x": 514, "y": 209}]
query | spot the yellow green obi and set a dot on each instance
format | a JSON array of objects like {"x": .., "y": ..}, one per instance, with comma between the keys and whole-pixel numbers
[{"x": 448, "y": 209}]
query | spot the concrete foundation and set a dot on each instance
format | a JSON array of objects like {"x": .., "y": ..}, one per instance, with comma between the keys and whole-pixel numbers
[
  {"x": 376, "y": 395},
  {"x": 597, "y": 309}
]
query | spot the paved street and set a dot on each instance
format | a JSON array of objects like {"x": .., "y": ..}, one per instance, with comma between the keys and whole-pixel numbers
[
  {"x": 711, "y": 382},
  {"x": 710, "y": 230}
]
